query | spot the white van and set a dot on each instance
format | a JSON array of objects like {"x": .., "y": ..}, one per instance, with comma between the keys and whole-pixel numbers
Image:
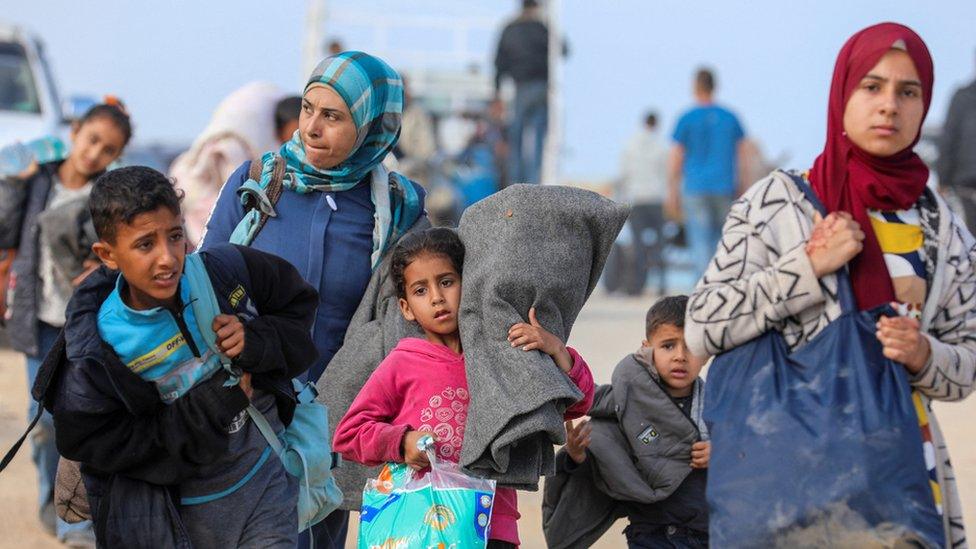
[{"x": 29, "y": 103}]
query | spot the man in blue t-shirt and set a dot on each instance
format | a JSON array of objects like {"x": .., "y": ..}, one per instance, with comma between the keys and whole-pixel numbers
[{"x": 706, "y": 157}]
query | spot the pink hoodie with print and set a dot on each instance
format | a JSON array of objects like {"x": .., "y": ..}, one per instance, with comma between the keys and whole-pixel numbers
[{"x": 422, "y": 386}]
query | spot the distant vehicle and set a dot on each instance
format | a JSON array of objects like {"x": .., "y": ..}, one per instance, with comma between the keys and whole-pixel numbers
[
  {"x": 30, "y": 106},
  {"x": 158, "y": 156}
]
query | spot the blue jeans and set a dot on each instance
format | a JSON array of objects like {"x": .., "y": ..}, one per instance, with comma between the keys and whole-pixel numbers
[
  {"x": 664, "y": 537},
  {"x": 527, "y": 131},
  {"x": 704, "y": 216},
  {"x": 44, "y": 452}
]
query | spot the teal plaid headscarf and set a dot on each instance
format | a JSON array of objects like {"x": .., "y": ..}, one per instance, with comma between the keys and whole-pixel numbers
[{"x": 373, "y": 91}]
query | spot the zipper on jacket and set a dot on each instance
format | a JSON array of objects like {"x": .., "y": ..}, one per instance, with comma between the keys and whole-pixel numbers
[
  {"x": 187, "y": 336},
  {"x": 687, "y": 416}
]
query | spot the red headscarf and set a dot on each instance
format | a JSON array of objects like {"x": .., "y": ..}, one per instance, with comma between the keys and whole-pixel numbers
[{"x": 849, "y": 179}]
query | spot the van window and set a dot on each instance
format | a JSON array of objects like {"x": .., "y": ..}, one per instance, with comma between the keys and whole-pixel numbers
[{"x": 17, "y": 90}]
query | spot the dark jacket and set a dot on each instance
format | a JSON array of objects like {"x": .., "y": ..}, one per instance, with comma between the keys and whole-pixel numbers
[
  {"x": 957, "y": 149},
  {"x": 639, "y": 454},
  {"x": 26, "y": 284},
  {"x": 135, "y": 449},
  {"x": 523, "y": 52}
]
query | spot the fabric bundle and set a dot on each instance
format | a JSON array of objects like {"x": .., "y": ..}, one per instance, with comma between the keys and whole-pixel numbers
[{"x": 527, "y": 246}]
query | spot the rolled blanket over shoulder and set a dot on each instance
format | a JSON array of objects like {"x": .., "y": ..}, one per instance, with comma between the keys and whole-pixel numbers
[{"x": 526, "y": 246}]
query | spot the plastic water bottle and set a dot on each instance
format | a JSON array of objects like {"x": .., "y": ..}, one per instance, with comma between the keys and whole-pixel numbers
[
  {"x": 17, "y": 157},
  {"x": 14, "y": 159},
  {"x": 425, "y": 443}
]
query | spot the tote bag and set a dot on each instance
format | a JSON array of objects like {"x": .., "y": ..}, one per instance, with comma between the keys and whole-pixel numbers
[{"x": 820, "y": 446}]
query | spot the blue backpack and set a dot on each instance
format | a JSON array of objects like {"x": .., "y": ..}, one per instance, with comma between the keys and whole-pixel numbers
[{"x": 304, "y": 447}]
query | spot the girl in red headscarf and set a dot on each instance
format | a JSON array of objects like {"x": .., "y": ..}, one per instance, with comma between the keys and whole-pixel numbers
[{"x": 776, "y": 267}]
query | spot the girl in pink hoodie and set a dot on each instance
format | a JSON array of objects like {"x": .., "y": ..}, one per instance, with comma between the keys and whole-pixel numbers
[{"x": 420, "y": 388}]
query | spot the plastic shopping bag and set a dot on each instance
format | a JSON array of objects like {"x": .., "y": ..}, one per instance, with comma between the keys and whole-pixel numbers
[{"x": 444, "y": 509}]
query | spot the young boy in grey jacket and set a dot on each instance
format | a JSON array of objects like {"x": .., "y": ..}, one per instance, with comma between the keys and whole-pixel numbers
[{"x": 644, "y": 452}]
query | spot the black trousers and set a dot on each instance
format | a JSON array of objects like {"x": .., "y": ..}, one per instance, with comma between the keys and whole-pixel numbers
[
  {"x": 628, "y": 266},
  {"x": 328, "y": 534}
]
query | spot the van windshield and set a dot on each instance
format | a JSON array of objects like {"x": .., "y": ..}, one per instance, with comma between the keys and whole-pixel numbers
[{"x": 17, "y": 90}]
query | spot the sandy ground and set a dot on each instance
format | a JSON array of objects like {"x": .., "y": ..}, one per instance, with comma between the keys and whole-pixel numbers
[{"x": 608, "y": 328}]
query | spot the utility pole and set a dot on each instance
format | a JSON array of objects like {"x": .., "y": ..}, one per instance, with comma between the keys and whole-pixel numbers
[
  {"x": 553, "y": 143},
  {"x": 314, "y": 37}
]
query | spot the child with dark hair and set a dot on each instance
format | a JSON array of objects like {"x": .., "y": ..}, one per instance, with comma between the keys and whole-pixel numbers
[
  {"x": 286, "y": 117},
  {"x": 40, "y": 283},
  {"x": 644, "y": 452},
  {"x": 144, "y": 405},
  {"x": 420, "y": 387}
]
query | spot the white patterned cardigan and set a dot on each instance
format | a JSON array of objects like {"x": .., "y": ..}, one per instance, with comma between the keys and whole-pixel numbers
[{"x": 760, "y": 279}]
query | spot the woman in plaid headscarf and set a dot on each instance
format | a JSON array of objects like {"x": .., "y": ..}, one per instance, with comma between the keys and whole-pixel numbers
[{"x": 341, "y": 210}]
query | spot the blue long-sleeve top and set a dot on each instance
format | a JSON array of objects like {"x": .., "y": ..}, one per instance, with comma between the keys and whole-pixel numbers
[{"x": 330, "y": 247}]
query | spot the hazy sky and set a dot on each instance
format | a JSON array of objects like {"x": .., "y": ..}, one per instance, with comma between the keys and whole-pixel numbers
[{"x": 173, "y": 61}]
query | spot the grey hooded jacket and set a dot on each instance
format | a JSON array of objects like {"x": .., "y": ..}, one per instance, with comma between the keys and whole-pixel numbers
[
  {"x": 639, "y": 453},
  {"x": 22, "y": 327}
]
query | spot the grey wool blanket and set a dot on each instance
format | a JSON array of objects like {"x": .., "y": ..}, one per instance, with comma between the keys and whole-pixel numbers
[
  {"x": 541, "y": 246},
  {"x": 527, "y": 246}
]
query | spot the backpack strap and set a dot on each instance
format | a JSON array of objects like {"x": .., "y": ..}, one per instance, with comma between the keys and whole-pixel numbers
[
  {"x": 9, "y": 456},
  {"x": 43, "y": 384},
  {"x": 845, "y": 293},
  {"x": 205, "y": 309},
  {"x": 259, "y": 195},
  {"x": 274, "y": 188},
  {"x": 203, "y": 300}
]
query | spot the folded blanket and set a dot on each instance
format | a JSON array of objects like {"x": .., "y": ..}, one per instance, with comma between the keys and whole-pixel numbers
[
  {"x": 69, "y": 232},
  {"x": 526, "y": 246}
]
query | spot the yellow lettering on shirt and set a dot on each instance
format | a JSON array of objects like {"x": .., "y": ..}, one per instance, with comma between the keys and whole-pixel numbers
[{"x": 157, "y": 355}]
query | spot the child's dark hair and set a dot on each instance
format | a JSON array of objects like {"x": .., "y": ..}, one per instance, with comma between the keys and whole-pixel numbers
[
  {"x": 114, "y": 111},
  {"x": 118, "y": 196},
  {"x": 287, "y": 110},
  {"x": 437, "y": 240},
  {"x": 667, "y": 310}
]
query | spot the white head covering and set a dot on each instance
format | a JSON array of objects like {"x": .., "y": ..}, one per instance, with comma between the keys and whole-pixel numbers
[{"x": 241, "y": 128}]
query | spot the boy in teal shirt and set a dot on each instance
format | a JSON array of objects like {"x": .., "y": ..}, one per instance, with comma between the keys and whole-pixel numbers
[{"x": 147, "y": 408}]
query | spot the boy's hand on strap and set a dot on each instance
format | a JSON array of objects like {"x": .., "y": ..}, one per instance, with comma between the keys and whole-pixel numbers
[
  {"x": 533, "y": 336},
  {"x": 230, "y": 334},
  {"x": 578, "y": 440},
  {"x": 700, "y": 452},
  {"x": 412, "y": 455}
]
